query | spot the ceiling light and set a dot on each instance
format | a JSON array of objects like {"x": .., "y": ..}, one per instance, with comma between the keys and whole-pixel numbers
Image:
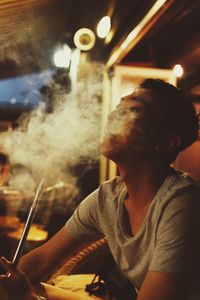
[
  {"x": 84, "y": 39},
  {"x": 62, "y": 57},
  {"x": 103, "y": 27},
  {"x": 178, "y": 70}
]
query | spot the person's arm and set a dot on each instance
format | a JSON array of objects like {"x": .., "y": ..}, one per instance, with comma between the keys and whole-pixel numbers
[
  {"x": 165, "y": 286},
  {"x": 173, "y": 266},
  {"x": 34, "y": 265},
  {"x": 43, "y": 260},
  {"x": 79, "y": 229},
  {"x": 15, "y": 284}
]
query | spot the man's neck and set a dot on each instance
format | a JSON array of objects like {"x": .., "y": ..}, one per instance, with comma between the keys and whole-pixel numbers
[{"x": 142, "y": 182}]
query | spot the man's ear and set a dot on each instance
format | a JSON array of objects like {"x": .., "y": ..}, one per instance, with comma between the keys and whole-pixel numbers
[{"x": 169, "y": 142}]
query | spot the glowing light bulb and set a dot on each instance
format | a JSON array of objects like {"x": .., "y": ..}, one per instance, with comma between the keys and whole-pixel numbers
[
  {"x": 62, "y": 57},
  {"x": 178, "y": 70},
  {"x": 103, "y": 27}
]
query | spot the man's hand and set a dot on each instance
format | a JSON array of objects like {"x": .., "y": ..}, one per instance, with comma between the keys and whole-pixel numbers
[{"x": 15, "y": 284}]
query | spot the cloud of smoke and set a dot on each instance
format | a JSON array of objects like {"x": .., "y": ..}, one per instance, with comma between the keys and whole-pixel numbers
[{"x": 50, "y": 144}]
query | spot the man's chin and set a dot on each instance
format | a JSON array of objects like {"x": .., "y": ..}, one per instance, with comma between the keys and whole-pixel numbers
[{"x": 109, "y": 151}]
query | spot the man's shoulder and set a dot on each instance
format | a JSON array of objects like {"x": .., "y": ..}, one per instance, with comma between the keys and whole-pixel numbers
[
  {"x": 113, "y": 184},
  {"x": 178, "y": 190},
  {"x": 179, "y": 180},
  {"x": 111, "y": 191}
]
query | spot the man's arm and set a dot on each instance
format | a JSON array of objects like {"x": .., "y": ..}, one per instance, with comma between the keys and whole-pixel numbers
[
  {"x": 165, "y": 286},
  {"x": 43, "y": 260}
]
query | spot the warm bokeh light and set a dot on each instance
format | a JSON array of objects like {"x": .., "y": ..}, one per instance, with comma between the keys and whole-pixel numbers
[
  {"x": 75, "y": 59},
  {"x": 178, "y": 70},
  {"x": 84, "y": 39},
  {"x": 103, "y": 27},
  {"x": 62, "y": 57}
]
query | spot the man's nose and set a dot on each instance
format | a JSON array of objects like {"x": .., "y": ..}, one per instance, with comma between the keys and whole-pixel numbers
[{"x": 115, "y": 114}]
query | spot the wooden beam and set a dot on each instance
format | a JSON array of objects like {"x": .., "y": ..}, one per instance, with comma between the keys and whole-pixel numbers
[{"x": 146, "y": 23}]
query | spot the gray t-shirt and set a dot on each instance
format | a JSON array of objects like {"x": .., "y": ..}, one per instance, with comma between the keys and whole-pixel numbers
[{"x": 168, "y": 240}]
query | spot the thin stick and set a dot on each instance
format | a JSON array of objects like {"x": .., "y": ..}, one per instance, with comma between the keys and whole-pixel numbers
[{"x": 29, "y": 221}]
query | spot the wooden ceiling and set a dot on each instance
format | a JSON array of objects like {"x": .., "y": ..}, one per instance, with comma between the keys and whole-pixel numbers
[{"x": 30, "y": 29}]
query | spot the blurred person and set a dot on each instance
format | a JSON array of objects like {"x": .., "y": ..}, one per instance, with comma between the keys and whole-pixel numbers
[
  {"x": 4, "y": 169},
  {"x": 149, "y": 214}
]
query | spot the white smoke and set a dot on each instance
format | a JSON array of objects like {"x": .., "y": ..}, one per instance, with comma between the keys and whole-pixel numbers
[{"x": 49, "y": 144}]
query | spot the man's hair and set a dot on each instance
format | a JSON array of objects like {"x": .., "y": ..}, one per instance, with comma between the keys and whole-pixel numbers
[{"x": 176, "y": 112}]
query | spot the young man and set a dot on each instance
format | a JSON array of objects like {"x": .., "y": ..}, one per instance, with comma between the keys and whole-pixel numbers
[{"x": 149, "y": 214}]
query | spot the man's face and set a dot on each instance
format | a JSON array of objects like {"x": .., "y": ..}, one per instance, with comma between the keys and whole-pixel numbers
[{"x": 126, "y": 132}]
